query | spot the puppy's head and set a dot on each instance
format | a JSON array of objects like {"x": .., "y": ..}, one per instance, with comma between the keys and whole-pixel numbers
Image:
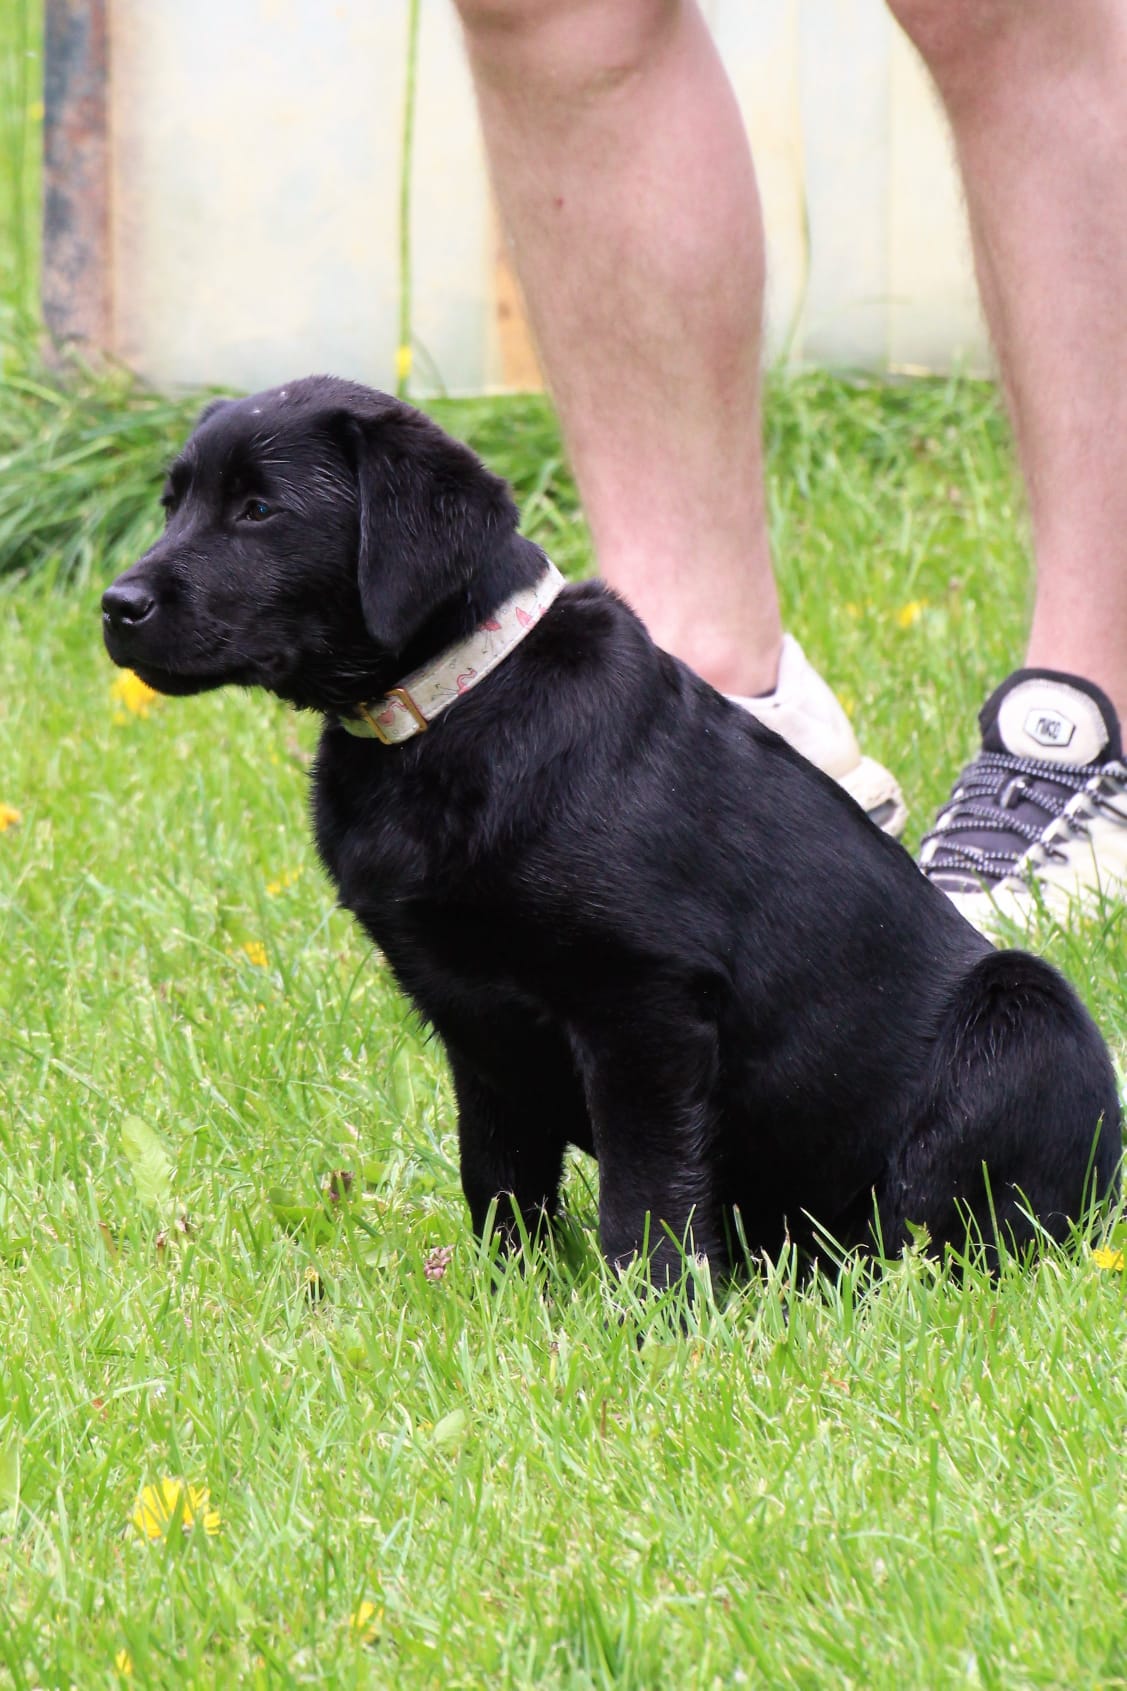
[{"x": 320, "y": 538}]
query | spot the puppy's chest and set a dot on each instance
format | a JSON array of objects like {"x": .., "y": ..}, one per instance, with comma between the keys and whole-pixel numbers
[
  {"x": 396, "y": 845},
  {"x": 457, "y": 941}
]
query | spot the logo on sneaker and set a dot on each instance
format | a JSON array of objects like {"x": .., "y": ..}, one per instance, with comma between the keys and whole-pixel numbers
[{"x": 1049, "y": 728}]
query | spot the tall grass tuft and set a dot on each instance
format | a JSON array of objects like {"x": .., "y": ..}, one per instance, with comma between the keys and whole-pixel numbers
[
  {"x": 82, "y": 452},
  {"x": 80, "y": 458}
]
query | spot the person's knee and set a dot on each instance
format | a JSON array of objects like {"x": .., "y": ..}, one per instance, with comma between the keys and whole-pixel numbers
[
  {"x": 511, "y": 16},
  {"x": 610, "y": 39},
  {"x": 952, "y": 34}
]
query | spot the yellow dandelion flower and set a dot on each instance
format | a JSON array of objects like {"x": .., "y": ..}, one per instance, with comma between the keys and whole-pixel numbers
[
  {"x": 403, "y": 361},
  {"x": 158, "y": 1505},
  {"x": 910, "y": 613},
  {"x": 136, "y": 695},
  {"x": 9, "y": 817},
  {"x": 256, "y": 951},
  {"x": 123, "y": 1662},
  {"x": 365, "y": 1624},
  {"x": 1105, "y": 1257},
  {"x": 285, "y": 879}
]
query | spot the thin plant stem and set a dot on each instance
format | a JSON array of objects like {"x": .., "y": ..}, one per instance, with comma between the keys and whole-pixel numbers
[{"x": 403, "y": 353}]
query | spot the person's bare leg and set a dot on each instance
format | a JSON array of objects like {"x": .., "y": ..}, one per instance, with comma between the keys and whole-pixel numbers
[
  {"x": 626, "y": 183},
  {"x": 1036, "y": 94}
]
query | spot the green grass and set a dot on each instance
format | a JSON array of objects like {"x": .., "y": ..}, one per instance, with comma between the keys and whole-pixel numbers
[
  {"x": 21, "y": 118},
  {"x": 913, "y": 1483},
  {"x": 907, "y": 1483}
]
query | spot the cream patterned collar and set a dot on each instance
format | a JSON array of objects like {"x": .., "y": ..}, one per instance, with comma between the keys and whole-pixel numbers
[{"x": 409, "y": 708}]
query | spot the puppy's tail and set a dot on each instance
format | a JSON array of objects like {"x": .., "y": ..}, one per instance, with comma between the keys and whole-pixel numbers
[{"x": 1020, "y": 1129}]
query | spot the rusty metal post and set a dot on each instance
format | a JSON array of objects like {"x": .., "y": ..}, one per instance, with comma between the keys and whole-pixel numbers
[{"x": 76, "y": 276}]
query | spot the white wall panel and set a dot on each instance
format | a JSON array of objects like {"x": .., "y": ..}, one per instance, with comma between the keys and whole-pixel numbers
[
  {"x": 934, "y": 316},
  {"x": 256, "y": 148},
  {"x": 844, "y": 78},
  {"x": 760, "y": 47}
]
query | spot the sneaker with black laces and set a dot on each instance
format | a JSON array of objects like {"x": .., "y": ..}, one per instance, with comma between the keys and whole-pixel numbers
[{"x": 1040, "y": 815}]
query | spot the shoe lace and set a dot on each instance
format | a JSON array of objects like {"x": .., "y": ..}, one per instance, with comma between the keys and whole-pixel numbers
[{"x": 983, "y": 804}]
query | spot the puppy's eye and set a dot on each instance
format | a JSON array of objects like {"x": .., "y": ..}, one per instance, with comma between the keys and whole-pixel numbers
[
  {"x": 168, "y": 501},
  {"x": 255, "y": 511}
]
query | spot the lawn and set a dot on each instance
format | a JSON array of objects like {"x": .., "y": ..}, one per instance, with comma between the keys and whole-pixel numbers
[
  {"x": 234, "y": 1255},
  {"x": 268, "y": 1416}
]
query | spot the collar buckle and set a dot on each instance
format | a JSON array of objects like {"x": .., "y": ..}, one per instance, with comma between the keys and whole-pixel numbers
[{"x": 400, "y": 696}]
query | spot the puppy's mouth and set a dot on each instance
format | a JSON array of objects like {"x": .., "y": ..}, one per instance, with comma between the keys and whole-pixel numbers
[
  {"x": 182, "y": 682},
  {"x": 178, "y": 656},
  {"x": 124, "y": 648},
  {"x": 177, "y": 685}
]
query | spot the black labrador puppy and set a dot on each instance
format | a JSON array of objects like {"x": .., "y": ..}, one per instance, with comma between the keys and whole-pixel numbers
[{"x": 641, "y": 923}]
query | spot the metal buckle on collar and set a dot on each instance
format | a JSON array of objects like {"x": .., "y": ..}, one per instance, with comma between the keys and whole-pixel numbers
[{"x": 409, "y": 705}]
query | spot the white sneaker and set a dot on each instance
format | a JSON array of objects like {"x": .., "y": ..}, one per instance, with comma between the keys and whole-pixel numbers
[
  {"x": 1040, "y": 815},
  {"x": 804, "y": 710}
]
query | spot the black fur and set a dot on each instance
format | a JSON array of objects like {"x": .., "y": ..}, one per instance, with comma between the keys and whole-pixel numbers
[{"x": 640, "y": 922}]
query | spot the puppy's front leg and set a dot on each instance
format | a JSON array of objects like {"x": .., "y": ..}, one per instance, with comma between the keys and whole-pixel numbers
[
  {"x": 513, "y": 1129},
  {"x": 651, "y": 1092}
]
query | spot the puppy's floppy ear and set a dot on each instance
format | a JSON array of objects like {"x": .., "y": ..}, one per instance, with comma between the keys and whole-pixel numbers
[{"x": 430, "y": 518}]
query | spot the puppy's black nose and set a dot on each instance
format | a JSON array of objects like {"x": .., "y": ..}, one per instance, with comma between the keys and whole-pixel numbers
[{"x": 126, "y": 603}]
